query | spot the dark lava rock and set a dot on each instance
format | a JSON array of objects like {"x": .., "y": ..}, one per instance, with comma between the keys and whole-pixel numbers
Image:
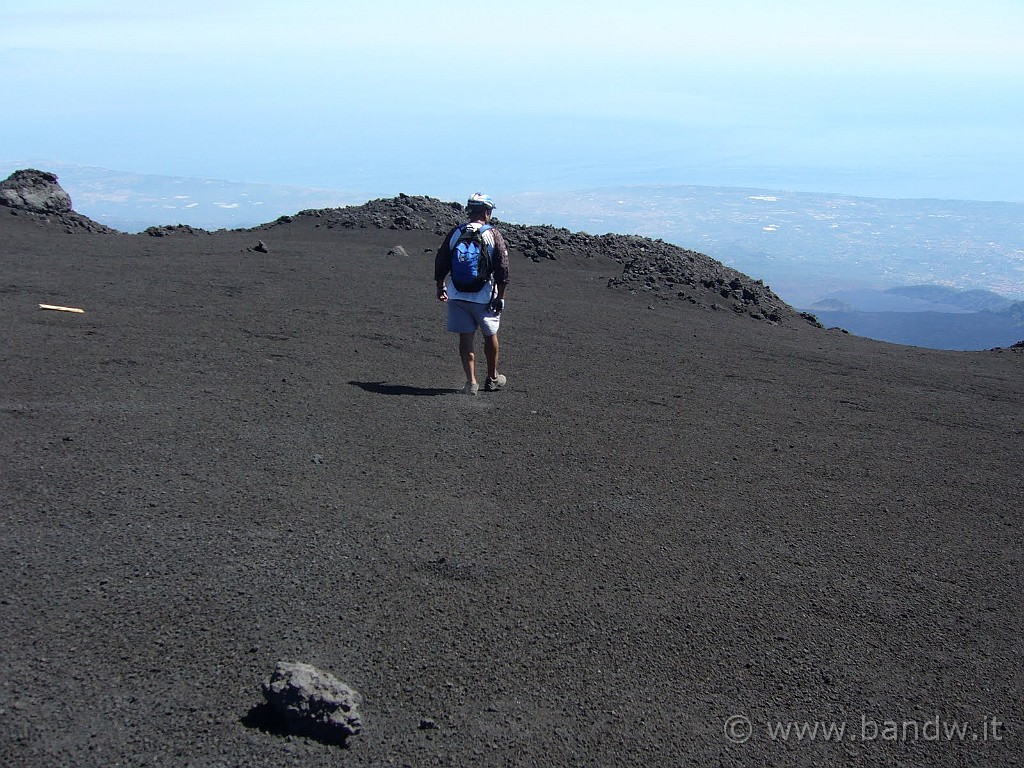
[
  {"x": 657, "y": 267},
  {"x": 405, "y": 212},
  {"x": 313, "y": 703},
  {"x": 38, "y": 194},
  {"x": 166, "y": 230},
  {"x": 34, "y": 191}
]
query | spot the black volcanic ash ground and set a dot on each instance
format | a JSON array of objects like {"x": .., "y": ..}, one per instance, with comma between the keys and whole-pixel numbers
[{"x": 674, "y": 515}]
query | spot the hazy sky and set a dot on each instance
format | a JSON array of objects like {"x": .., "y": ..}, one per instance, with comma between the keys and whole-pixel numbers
[{"x": 878, "y": 97}]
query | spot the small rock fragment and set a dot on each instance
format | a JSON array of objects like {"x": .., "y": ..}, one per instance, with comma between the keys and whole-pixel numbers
[{"x": 261, "y": 247}]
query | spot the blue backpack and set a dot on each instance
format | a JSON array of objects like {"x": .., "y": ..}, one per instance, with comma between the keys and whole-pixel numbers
[{"x": 471, "y": 259}]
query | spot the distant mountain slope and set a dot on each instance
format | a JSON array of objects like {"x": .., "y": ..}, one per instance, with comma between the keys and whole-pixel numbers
[
  {"x": 1014, "y": 312},
  {"x": 975, "y": 300},
  {"x": 876, "y": 300},
  {"x": 926, "y": 316},
  {"x": 938, "y": 330}
]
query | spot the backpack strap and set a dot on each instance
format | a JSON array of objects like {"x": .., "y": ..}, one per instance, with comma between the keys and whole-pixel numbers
[
  {"x": 456, "y": 236},
  {"x": 463, "y": 232},
  {"x": 485, "y": 243}
]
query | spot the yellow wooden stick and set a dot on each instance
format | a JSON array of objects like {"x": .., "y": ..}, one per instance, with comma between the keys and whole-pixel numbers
[{"x": 61, "y": 309}]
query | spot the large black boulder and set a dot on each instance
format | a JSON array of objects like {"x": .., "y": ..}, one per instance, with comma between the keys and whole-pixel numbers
[{"x": 34, "y": 191}]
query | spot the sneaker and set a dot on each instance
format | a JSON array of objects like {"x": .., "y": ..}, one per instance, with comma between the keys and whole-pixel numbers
[
  {"x": 493, "y": 385},
  {"x": 471, "y": 388}
]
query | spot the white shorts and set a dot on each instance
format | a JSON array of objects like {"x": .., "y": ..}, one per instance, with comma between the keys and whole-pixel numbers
[{"x": 467, "y": 316}]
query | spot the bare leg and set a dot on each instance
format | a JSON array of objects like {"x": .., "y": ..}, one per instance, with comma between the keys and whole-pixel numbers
[
  {"x": 491, "y": 353},
  {"x": 468, "y": 358}
]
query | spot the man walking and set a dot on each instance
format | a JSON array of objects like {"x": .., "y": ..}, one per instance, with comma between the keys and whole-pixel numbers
[{"x": 471, "y": 271}]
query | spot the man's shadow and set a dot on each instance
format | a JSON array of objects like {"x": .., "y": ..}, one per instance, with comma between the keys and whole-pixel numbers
[{"x": 380, "y": 388}]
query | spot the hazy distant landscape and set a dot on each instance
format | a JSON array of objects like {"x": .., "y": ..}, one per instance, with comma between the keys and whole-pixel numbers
[
  {"x": 810, "y": 245},
  {"x": 131, "y": 202},
  {"x": 835, "y": 255}
]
